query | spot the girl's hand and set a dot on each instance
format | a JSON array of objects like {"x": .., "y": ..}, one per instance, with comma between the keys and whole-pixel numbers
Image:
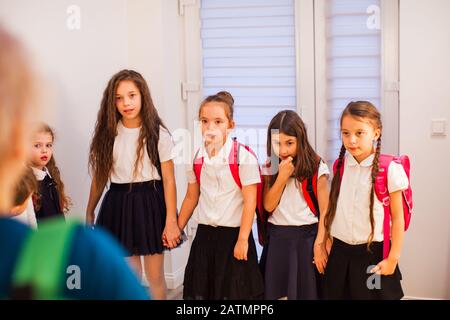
[
  {"x": 320, "y": 257},
  {"x": 385, "y": 267},
  {"x": 241, "y": 249},
  {"x": 90, "y": 217},
  {"x": 171, "y": 234},
  {"x": 286, "y": 169}
]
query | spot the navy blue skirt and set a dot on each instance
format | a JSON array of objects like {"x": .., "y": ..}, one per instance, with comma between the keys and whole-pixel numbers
[
  {"x": 347, "y": 275},
  {"x": 212, "y": 272},
  {"x": 135, "y": 214},
  {"x": 288, "y": 267}
]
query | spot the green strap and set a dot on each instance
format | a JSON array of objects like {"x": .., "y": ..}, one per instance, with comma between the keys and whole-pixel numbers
[{"x": 43, "y": 258}]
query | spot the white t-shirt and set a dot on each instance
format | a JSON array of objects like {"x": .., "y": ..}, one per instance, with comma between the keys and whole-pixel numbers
[
  {"x": 293, "y": 210},
  {"x": 351, "y": 223},
  {"x": 27, "y": 217},
  {"x": 124, "y": 155},
  {"x": 221, "y": 201}
]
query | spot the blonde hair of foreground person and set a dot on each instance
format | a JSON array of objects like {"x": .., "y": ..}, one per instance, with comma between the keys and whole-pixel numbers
[{"x": 18, "y": 106}]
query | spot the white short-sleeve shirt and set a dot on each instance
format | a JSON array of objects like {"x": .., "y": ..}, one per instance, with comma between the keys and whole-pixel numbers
[
  {"x": 352, "y": 220},
  {"x": 293, "y": 210},
  {"x": 124, "y": 155},
  {"x": 221, "y": 201},
  {"x": 27, "y": 217}
]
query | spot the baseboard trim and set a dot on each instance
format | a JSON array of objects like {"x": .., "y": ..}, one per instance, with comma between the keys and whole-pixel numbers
[{"x": 174, "y": 279}]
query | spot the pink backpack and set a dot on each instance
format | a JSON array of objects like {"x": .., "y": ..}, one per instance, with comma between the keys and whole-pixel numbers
[
  {"x": 233, "y": 160},
  {"x": 381, "y": 190}
]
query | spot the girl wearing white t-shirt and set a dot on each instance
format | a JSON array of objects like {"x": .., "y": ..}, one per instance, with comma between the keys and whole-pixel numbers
[
  {"x": 222, "y": 262},
  {"x": 132, "y": 149},
  {"x": 355, "y": 215},
  {"x": 295, "y": 251}
]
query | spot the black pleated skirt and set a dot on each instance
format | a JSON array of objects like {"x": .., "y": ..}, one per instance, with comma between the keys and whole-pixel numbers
[
  {"x": 135, "y": 214},
  {"x": 289, "y": 269},
  {"x": 347, "y": 275},
  {"x": 212, "y": 272}
]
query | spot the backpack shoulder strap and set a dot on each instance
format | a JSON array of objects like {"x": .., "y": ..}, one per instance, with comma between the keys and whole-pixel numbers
[
  {"x": 335, "y": 164},
  {"x": 381, "y": 183},
  {"x": 41, "y": 262},
  {"x": 233, "y": 160},
  {"x": 382, "y": 193},
  {"x": 198, "y": 165},
  {"x": 309, "y": 188}
]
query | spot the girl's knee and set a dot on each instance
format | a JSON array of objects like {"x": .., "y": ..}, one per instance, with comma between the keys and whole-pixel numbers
[{"x": 155, "y": 278}]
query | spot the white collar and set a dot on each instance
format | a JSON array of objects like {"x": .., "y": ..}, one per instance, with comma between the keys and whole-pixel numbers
[
  {"x": 367, "y": 162},
  {"x": 40, "y": 174}
]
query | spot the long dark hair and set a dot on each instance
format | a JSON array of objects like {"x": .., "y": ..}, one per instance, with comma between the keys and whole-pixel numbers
[
  {"x": 101, "y": 150},
  {"x": 289, "y": 123},
  {"x": 359, "y": 110}
]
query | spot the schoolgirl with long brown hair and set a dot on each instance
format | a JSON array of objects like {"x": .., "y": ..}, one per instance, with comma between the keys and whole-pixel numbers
[
  {"x": 295, "y": 252},
  {"x": 132, "y": 149}
]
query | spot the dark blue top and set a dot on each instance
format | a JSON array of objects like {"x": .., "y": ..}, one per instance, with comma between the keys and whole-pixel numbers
[
  {"x": 104, "y": 271},
  {"x": 46, "y": 201}
]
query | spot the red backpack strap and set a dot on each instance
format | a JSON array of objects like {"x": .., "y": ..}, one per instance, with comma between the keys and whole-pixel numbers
[
  {"x": 382, "y": 192},
  {"x": 198, "y": 165},
  {"x": 309, "y": 188},
  {"x": 233, "y": 161},
  {"x": 342, "y": 167}
]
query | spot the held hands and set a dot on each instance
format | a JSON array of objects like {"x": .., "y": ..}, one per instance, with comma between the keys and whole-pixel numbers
[
  {"x": 321, "y": 254},
  {"x": 286, "y": 169},
  {"x": 171, "y": 235},
  {"x": 385, "y": 267},
  {"x": 241, "y": 249},
  {"x": 320, "y": 257}
]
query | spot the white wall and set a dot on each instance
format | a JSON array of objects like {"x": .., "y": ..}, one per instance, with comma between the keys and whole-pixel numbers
[
  {"x": 424, "y": 95},
  {"x": 76, "y": 65}
]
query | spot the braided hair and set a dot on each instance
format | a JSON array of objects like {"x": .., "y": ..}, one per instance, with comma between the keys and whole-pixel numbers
[{"x": 358, "y": 110}]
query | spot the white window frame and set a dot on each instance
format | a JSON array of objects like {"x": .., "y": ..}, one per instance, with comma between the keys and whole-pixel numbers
[{"x": 305, "y": 64}]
